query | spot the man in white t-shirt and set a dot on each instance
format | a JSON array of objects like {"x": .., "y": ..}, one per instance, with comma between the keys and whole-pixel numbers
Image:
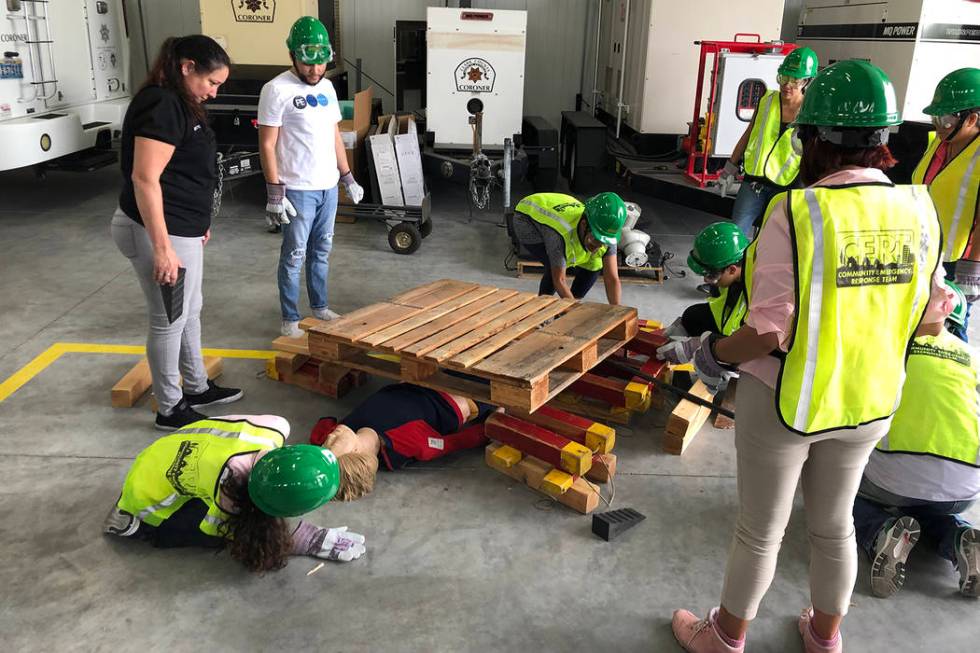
[{"x": 303, "y": 159}]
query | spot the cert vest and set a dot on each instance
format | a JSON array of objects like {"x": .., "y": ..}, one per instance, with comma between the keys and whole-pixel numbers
[
  {"x": 729, "y": 317},
  {"x": 769, "y": 153},
  {"x": 955, "y": 190},
  {"x": 562, "y": 213},
  {"x": 188, "y": 464},
  {"x": 938, "y": 413},
  {"x": 863, "y": 257}
]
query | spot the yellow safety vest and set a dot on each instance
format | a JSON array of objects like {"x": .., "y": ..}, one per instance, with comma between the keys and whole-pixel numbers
[
  {"x": 770, "y": 154},
  {"x": 955, "y": 190},
  {"x": 728, "y": 319},
  {"x": 939, "y": 409},
  {"x": 188, "y": 464},
  {"x": 562, "y": 213},
  {"x": 864, "y": 256}
]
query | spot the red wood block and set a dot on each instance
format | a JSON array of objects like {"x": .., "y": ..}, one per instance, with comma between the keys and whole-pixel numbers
[
  {"x": 540, "y": 443},
  {"x": 647, "y": 342},
  {"x": 611, "y": 391}
]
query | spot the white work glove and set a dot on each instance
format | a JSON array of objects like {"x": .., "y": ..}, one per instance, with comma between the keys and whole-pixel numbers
[
  {"x": 341, "y": 545},
  {"x": 727, "y": 177},
  {"x": 968, "y": 279},
  {"x": 713, "y": 374},
  {"x": 278, "y": 208},
  {"x": 676, "y": 330},
  {"x": 679, "y": 351},
  {"x": 354, "y": 190}
]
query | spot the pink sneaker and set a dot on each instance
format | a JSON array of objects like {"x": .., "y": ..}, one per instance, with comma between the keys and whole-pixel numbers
[
  {"x": 812, "y": 642},
  {"x": 701, "y": 635}
]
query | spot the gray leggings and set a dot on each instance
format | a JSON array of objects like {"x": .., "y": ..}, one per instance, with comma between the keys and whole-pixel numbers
[{"x": 173, "y": 350}]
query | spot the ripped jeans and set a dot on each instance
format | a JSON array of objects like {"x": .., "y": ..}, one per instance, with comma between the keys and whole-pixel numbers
[{"x": 308, "y": 237}]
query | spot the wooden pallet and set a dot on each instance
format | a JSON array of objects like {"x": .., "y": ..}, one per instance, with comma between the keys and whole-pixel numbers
[
  {"x": 293, "y": 365},
  {"x": 535, "y": 269},
  {"x": 523, "y": 349}
]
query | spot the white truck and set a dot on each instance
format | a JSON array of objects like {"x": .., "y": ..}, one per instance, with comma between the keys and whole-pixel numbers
[{"x": 64, "y": 82}]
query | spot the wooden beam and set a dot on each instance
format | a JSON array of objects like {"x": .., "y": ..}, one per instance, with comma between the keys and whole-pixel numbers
[
  {"x": 533, "y": 440},
  {"x": 728, "y": 402},
  {"x": 132, "y": 385},
  {"x": 597, "y": 437},
  {"x": 298, "y": 345},
  {"x": 582, "y": 496},
  {"x": 686, "y": 420},
  {"x": 603, "y": 468}
]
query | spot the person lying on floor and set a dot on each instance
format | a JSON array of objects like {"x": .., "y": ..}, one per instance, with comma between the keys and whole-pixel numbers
[
  {"x": 230, "y": 482},
  {"x": 926, "y": 471},
  {"x": 396, "y": 425}
]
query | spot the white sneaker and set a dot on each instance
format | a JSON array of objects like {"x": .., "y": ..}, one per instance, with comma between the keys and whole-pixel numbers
[
  {"x": 892, "y": 550},
  {"x": 290, "y": 329},
  {"x": 325, "y": 314}
]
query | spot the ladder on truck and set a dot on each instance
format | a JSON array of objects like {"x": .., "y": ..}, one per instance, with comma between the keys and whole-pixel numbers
[{"x": 32, "y": 23}]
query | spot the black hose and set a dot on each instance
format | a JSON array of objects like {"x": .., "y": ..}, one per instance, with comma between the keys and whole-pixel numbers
[{"x": 672, "y": 389}]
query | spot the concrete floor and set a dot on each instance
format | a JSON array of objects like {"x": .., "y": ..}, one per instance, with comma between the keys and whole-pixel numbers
[{"x": 459, "y": 557}]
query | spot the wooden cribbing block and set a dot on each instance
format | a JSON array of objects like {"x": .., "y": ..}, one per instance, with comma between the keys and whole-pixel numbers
[
  {"x": 647, "y": 342},
  {"x": 213, "y": 365},
  {"x": 615, "y": 392},
  {"x": 686, "y": 420},
  {"x": 288, "y": 363},
  {"x": 728, "y": 401},
  {"x": 592, "y": 408},
  {"x": 541, "y": 443},
  {"x": 131, "y": 387},
  {"x": 298, "y": 345},
  {"x": 597, "y": 437},
  {"x": 581, "y": 495},
  {"x": 603, "y": 468}
]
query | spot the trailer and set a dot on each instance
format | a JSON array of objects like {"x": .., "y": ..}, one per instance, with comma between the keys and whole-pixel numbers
[{"x": 64, "y": 83}]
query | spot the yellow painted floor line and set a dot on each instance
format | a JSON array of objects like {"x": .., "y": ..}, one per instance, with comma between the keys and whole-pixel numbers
[{"x": 17, "y": 380}]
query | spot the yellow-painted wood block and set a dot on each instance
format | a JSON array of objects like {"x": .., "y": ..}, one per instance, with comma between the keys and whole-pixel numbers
[
  {"x": 686, "y": 367},
  {"x": 576, "y": 458},
  {"x": 600, "y": 438},
  {"x": 556, "y": 482},
  {"x": 507, "y": 456},
  {"x": 391, "y": 358},
  {"x": 636, "y": 394},
  {"x": 270, "y": 369}
]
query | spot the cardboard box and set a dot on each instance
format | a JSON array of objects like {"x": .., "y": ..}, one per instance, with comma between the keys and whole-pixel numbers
[
  {"x": 359, "y": 125},
  {"x": 386, "y": 163},
  {"x": 409, "y": 161}
]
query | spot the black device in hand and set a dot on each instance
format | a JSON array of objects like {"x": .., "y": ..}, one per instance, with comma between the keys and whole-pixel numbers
[{"x": 173, "y": 296}]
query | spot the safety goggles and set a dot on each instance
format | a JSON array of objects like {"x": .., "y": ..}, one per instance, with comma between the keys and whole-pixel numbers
[
  {"x": 947, "y": 121},
  {"x": 786, "y": 80},
  {"x": 315, "y": 53}
]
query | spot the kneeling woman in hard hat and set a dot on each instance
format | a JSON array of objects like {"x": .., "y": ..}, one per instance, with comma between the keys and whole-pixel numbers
[
  {"x": 561, "y": 232},
  {"x": 766, "y": 149},
  {"x": 719, "y": 250},
  {"x": 229, "y": 481},
  {"x": 837, "y": 281}
]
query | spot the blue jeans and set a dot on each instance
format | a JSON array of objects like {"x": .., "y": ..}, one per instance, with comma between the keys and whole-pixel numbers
[
  {"x": 308, "y": 237},
  {"x": 583, "y": 280},
  {"x": 750, "y": 203},
  {"x": 956, "y": 329},
  {"x": 940, "y": 521}
]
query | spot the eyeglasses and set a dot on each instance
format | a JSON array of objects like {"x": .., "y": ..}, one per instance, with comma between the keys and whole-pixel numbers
[
  {"x": 786, "y": 80},
  {"x": 712, "y": 276},
  {"x": 314, "y": 51}
]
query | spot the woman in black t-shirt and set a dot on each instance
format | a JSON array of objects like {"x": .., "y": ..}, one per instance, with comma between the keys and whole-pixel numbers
[{"x": 164, "y": 217}]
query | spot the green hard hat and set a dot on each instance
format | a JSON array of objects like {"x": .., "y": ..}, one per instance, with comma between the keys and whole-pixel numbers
[
  {"x": 801, "y": 63},
  {"x": 309, "y": 42},
  {"x": 956, "y": 92},
  {"x": 606, "y": 213},
  {"x": 718, "y": 245},
  {"x": 850, "y": 93},
  {"x": 958, "y": 316},
  {"x": 294, "y": 480}
]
